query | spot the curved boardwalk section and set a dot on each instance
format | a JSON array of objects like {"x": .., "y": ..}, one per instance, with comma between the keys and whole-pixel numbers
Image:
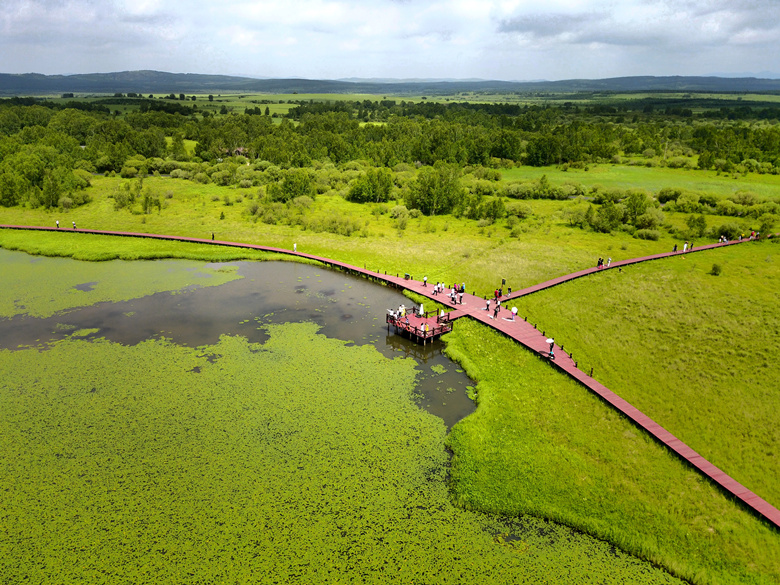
[{"x": 525, "y": 334}]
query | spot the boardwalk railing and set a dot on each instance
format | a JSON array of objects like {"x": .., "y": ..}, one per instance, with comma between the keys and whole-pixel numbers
[{"x": 423, "y": 331}]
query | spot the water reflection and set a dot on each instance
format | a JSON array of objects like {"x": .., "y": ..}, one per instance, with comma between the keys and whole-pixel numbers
[{"x": 344, "y": 306}]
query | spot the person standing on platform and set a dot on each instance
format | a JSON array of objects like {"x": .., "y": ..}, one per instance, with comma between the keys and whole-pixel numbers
[
  {"x": 58, "y": 224},
  {"x": 425, "y": 281},
  {"x": 74, "y": 225},
  {"x": 295, "y": 247}
]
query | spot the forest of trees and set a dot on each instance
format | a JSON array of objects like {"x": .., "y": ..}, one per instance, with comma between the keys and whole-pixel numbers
[{"x": 49, "y": 152}]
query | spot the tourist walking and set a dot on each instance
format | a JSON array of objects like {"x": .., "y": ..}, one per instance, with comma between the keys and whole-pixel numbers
[
  {"x": 425, "y": 281},
  {"x": 58, "y": 224},
  {"x": 74, "y": 225}
]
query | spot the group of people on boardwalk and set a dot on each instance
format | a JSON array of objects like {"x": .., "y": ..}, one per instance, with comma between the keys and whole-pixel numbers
[
  {"x": 456, "y": 290},
  {"x": 602, "y": 264},
  {"x": 496, "y": 300}
]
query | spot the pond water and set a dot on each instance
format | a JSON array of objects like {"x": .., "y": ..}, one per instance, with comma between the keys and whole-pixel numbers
[
  {"x": 250, "y": 432},
  {"x": 343, "y": 306}
]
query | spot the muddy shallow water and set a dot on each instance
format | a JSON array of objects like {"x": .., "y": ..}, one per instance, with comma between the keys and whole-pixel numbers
[{"x": 344, "y": 306}]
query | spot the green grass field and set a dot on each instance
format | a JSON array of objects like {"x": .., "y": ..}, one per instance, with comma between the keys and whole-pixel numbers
[
  {"x": 652, "y": 179},
  {"x": 695, "y": 352},
  {"x": 539, "y": 443},
  {"x": 444, "y": 247}
]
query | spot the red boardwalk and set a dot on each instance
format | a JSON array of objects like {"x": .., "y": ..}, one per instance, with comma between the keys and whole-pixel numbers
[
  {"x": 419, "y": 327},
  {"x": 525, "y": 334}
]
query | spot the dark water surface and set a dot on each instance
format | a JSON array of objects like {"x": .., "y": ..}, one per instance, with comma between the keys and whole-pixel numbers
[{"x": 345, "y": 307}]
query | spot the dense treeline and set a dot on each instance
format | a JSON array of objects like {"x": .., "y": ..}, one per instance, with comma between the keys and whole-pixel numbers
[{"x": 436, "y": 157}]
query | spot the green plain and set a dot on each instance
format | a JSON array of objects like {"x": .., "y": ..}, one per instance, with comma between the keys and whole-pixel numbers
[
  {"x": 652, "y": 179},
  {"x": 695, "y": 352},
  {"x": 538, "y": 443}
]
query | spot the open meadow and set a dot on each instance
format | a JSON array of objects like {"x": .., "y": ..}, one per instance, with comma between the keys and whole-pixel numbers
[
  {"x": 538, "y": 443},
  {"x": 508, "y": 190},
  {"x": 693, "y": 350}
]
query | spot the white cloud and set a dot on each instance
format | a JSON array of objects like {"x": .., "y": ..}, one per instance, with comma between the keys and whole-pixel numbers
[{"x": 509, "y": 39}]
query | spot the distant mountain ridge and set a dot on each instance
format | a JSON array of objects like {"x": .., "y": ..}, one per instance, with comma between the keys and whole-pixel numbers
[{"x": 162, "y": 82}]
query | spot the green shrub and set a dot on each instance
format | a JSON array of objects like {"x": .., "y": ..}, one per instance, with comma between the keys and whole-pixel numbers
[
  {"x": 731, "y": 230},
  {"x": 648, "y": 234},
  {"x": 180, "y": 174},
  {"x": 399, "y": 211}
]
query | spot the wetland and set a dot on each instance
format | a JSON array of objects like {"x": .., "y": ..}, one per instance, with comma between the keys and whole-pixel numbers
[{"x": 263, "y": 429}]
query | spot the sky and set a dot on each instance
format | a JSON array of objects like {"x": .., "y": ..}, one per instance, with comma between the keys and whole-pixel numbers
[{"x": 441, "y": 39}]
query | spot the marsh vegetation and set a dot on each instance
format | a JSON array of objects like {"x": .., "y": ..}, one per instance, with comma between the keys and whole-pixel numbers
[
  {"x": 451, "y": 191},
  {"x": 242, "y": 444}
]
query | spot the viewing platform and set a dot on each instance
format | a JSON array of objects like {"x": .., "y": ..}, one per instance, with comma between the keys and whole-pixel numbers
[{"x": 419, "y": 327}]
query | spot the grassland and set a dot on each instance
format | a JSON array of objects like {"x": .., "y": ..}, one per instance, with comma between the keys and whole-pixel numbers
[
  {"x": 652, "y": 179},
  {"x": 444, "y": 247},
  {"x": 694, "y": 351},
  {"x": 532, "y": 447},
  {"x": 541, "y": 444}
]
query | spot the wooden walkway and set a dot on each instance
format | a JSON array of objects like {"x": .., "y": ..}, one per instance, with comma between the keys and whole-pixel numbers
[
  {"x": 417, "y": 327},
  {"x": 528, "y": 336}
]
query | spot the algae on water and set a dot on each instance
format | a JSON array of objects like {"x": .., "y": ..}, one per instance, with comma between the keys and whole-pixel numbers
[
  {"x": 42, "y": 287},
  {"x": 299, "y": 460}
]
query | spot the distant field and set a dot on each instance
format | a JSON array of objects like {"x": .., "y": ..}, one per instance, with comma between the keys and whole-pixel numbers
[
  {"x": 652, "y": 179},
  {"x": 236, "y": 101}
]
